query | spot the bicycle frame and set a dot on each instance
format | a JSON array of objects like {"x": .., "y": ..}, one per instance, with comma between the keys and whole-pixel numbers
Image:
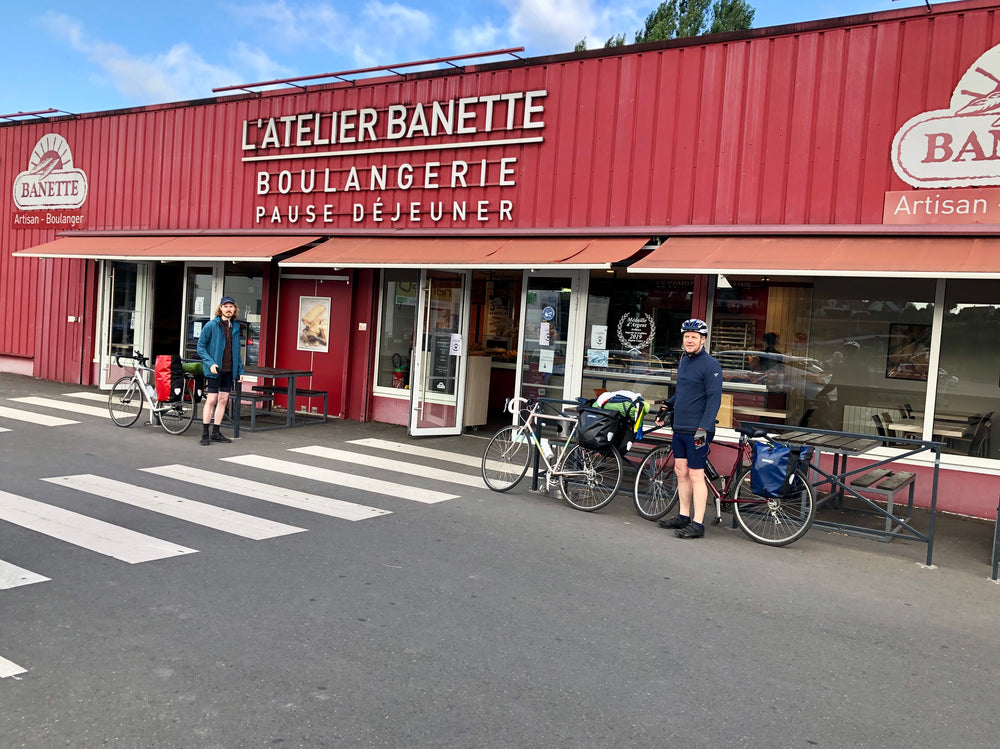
[
  {"x": 728, "y": 482},
  {"x": 554, "y": 467}
]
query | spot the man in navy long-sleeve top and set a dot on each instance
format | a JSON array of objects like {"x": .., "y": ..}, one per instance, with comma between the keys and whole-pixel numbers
[{"x": 696, "y": 405}]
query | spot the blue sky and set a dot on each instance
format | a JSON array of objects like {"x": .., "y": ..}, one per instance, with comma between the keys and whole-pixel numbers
[{"x": 107, "y": 54}]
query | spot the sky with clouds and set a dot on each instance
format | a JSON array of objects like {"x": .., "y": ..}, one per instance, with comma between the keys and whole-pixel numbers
[{"x": 107, "y": 54}]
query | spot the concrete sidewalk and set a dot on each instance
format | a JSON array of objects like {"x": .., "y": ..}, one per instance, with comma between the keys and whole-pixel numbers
[{"x": 961, "y": 552}]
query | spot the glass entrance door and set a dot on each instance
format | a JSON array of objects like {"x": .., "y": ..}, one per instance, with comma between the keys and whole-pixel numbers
[
  {"x": 437, "y": 395},
  {"x": 552, "y": 343},
  {"x": 125, "y": 324},
  {"x": 203, "y": 289}
]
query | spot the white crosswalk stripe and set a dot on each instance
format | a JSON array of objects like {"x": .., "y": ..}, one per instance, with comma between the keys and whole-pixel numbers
[
  {"x": 374, "y": 461},
  {"x": 34, "y": 418},
  {"x": 419, "y": 450},
  {"x": 4, "y": 429},
  {"x": 89, "y": 395},
  {"x": 80, "y": 530},
  {"x": 12, "y": 576},
  {"x": 269, "y": 493},
  {"x": 199, "y": 513},
  {"x": 379, "y": 486},
  {"x": 79, "y": 408},
  {"x": 7, "y": 668}
]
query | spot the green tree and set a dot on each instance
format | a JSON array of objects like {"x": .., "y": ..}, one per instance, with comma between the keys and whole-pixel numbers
[
  {"x": 673, "y": 19},
  {"x": 731, "y": 15}
]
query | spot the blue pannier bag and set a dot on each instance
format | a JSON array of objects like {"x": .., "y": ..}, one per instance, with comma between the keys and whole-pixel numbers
[{"x": 774, "y": 466}]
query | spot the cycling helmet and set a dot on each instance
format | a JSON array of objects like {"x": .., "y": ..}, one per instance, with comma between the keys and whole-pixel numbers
[{"x": 694, "y": 325}]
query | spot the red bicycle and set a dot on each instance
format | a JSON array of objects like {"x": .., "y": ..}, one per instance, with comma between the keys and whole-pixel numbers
[{"x": 773, "y": 521}]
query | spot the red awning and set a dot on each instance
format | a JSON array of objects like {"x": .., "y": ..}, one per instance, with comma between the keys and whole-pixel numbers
[
  {"x": 933, "y": 257},
  {"x": 188, "y": 247},
  {"x": 471, "y": 252}
]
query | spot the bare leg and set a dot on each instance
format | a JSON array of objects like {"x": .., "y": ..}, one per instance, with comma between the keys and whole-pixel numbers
[
  {"x": 220, "y": 408},
  {"x": 208, "y": 409},
  {"x": 692, "y": 492}
]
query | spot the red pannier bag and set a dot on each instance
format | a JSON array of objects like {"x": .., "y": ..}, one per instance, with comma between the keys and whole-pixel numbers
[{"x": 161, "y": 375}]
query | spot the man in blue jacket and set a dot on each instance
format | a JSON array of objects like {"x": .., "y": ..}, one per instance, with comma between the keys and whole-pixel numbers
[
  {"x": 219, "y": 349},
  {"x": 695, "y": 404}
]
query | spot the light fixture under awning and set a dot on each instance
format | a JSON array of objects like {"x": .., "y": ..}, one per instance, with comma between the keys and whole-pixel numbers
[
  {"x": 188, "y": 247},
  {"x": 931, "y": 257},
  {"x": 467, "y": 253}
]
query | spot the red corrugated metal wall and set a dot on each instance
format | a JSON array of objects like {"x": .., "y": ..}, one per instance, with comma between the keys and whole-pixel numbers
[{"x": 794, "y": 128}]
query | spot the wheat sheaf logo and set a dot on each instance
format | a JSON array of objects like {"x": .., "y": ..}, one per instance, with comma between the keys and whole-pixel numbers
[
  {"x": 958, "y": 146},
  {"x": 50, "y": 181}
]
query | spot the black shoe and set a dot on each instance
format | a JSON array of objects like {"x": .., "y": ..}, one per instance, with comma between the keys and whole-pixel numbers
[
  {"x": 205, "y": 440},
  {"x": 691, "y": 530},
  {"x": 677, "y": 521},
  {"x": 220, "y": 437}
]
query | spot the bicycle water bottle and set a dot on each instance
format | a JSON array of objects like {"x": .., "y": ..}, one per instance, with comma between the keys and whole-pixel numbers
[{"x": 150, "y": 391}]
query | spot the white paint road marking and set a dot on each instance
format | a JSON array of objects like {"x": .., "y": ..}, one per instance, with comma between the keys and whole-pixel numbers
[
  {"x": 424, "y": 452},
  {"x": 200, "y": 513},
  {"x": 89, "y": 395},
  {"x": 390, "y": 464},
  {"x": 269, "y": 493},
  {"x": 80, "y": 530},
  {"x": 389, "y": 488},
  {"x": 77, "y": 408},
  {"x": 10, "y": 669},
  {"x": 34, "y": 418},
  {"x": 12, "y": 576}
]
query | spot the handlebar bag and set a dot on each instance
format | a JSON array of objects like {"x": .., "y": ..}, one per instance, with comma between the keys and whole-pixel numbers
[
  {"x": 774, "y": 466},
  {"x": 601, "y": 429}
]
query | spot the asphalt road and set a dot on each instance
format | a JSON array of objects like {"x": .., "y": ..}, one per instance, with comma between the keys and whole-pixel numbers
[{"x": 483, "y": 620}]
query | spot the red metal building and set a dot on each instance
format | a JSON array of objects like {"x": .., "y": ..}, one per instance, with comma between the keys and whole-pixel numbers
[{"x": 833, "y": 183}]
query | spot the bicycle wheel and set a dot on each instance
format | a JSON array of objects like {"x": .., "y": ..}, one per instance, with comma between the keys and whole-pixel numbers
[
  {"x": 594, "y": 479},
  {"x": 775, "y": 521},
  {"x": 177, "y": 416},
  {"x": 125, "y": 402},
  {"x": 505, "y": 460},
  {"x": 655, "y": 491}
]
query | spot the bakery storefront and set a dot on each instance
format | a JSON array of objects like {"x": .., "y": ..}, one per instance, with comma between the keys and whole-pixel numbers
[{"x": 429, "y": 244}]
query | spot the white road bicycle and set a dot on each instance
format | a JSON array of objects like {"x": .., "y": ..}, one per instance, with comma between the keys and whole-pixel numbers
[
  {"x": 132, "y": 391},
  {"x": 588, "y": 479}
]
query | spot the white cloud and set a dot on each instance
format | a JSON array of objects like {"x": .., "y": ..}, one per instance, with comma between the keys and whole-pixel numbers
[
  {"x": 397, "y": 20},
  {"x": 550, "y": 25},
  {"x": 479, "y": 38},
  {"x": 177, "y": 74},
  {"x": 553, "y": 26},
  {"x": 257, "y": 63}
]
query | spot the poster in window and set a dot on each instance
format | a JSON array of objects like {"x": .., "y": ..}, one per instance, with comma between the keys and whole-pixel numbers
[
  {"x": 909, "y": 352},
  {"x": 314, "y": 323}
]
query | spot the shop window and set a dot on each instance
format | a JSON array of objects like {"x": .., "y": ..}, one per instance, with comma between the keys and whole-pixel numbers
[
  {"x": 863, "y": 333},
  {"x": 968, "y": 378},
  {"x": 496, "y": 304},
  {"x": 397, "y": 327},
  {"x": 633, "y": 340},
  {"x": 831, "y": 353}
]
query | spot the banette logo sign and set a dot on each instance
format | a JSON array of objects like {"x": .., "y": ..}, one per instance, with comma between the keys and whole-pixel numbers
[
  {"x": 958, "y": 146},
  {"x": 51, "y": 190}
]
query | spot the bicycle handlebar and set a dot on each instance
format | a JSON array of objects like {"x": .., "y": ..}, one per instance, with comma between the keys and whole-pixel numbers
[{"x": 137, "y": 357}]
